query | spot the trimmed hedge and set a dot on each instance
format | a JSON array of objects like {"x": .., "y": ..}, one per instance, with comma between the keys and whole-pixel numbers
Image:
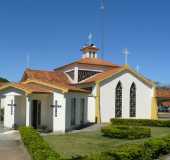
[
  {"x": 148, "y": 150},
  {"x": 126, "y": 152},
  {"x": 126, "y": 132},
  {"x": 37, "y": 147},
  {"x": 141, "y": 122}
]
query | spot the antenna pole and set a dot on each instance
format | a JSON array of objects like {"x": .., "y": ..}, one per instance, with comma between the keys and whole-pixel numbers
[
  {"x": 28, "y": 60},
  {"x": 137, "y": 68},
  {"x": 102, "y": 8},
  {"x": 90, "y": 38}
]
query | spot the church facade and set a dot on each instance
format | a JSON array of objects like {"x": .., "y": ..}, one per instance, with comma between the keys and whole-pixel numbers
[{"x": 89, "y": 90}]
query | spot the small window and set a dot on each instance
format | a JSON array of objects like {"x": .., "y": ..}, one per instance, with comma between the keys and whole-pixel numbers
[
  {"x": 90, "y": 54},
  {"x": 94, "y": 55}
]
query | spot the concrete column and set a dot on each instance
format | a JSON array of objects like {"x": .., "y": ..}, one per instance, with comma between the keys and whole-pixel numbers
[
  {"x": 75, "y": 74},
  {"x": 28, "y": 112}
]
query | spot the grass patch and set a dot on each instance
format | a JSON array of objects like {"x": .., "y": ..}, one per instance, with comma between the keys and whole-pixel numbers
[{"x": 92, "y": 142}]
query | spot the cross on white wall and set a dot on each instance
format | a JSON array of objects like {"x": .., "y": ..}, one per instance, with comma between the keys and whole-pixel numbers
[
  {"x": 12, "y": 105},
  {"x": 56, "y": 106}
]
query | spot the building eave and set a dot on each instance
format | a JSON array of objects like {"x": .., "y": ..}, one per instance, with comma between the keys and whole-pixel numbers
[
  {"x": 45, "y": 84},
  {"x": 13, "y": 85},
  {"x": 132, "y": 71}
]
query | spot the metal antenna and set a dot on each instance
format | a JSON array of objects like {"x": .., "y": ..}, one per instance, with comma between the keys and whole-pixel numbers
[
  {"x": 90, "y": 36},
  {"x": 102, "y": 8},
  {"x": 137, "y": 68},
  {"x": 102, "y": 5},
  {"x": 126, "y": 53}
]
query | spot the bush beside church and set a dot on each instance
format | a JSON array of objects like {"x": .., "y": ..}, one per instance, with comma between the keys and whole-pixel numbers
[{"x": 126, "y": 132}]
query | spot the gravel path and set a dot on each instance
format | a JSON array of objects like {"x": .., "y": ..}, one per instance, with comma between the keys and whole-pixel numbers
[
  {"x": 165, "y": 157},
  {"x": 91, "y": 128},
  {"x": 11, "y": 147}
]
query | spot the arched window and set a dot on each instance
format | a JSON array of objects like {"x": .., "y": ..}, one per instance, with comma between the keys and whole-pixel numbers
[
  {"x": 133, "y": 100},
  {"x": 118, "y": 100}
]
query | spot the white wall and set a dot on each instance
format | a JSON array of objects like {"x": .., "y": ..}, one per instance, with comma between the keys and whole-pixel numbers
[
  {"x": 59, "y": 120},
  {"x": 2, "y": 100},
  {"x": 78, "y": 97},
  {"x": 8, "y": 117},
  {"x": 10, "y": 94},
  {"x": 107, "y": 97}
]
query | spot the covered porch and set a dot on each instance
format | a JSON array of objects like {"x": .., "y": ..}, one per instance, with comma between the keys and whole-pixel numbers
[{"x": 28, "y": 106}]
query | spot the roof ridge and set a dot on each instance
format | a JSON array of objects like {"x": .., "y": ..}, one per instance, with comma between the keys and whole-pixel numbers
[
  {"x": 38, "y": 70},
  {"x": 90, "y": 61}
]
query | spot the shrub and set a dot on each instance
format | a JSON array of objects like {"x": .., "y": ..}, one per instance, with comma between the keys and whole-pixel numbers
[
  {"x": 37, "y": 147},
  {"x": 126, "y": 132},
  {"x": 156, "y": 147},
  {"x": 149, "y": 150},
  {"x": 141, "y": 122},
  {"x": 127, "y": 152}
]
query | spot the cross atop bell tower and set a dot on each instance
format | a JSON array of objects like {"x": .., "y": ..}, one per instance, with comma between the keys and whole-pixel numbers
[{"x": 89, "y": 51}]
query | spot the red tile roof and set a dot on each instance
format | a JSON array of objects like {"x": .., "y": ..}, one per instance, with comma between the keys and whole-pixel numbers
[
  {"x": 101, "y": 76},
  {"x": 162, "y": 93},
  {"x": 49, "y": 76},
  {"x": 34, "y": 88},
  {"x": 1, "y": 84},
  {"x": 114, "y": 71},
  {"x": 53, "y": 78},
  {"x": 28, "y": 88},
  {"x": 95, "y": 61}
]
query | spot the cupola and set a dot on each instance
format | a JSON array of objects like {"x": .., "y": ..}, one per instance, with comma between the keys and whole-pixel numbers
[{"x": 89, "y": 51}]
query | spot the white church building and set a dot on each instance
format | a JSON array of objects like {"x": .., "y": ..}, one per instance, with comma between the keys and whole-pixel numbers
[{"x": 89, "y": 90}]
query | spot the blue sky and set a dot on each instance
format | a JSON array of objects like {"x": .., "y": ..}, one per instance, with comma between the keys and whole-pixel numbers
[{"x": 53, "y": 31}]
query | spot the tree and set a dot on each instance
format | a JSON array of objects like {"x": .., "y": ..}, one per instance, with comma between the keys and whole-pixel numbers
[{"x": 3, "y": 79}]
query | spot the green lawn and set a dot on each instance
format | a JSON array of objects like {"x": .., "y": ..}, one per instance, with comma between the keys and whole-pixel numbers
[{"x": 91, "y": 142}]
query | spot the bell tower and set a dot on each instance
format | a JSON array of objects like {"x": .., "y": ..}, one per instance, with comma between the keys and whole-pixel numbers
[{"x": 89, "y": 51}]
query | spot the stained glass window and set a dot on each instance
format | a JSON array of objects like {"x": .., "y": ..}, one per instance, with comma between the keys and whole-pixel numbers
[
  {"x": 133, "y": 100},
  {"x": 118, "y": 100}
]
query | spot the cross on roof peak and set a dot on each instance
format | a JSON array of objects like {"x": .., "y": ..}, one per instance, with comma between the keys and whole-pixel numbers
[{"x": 126, "y": 53}]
